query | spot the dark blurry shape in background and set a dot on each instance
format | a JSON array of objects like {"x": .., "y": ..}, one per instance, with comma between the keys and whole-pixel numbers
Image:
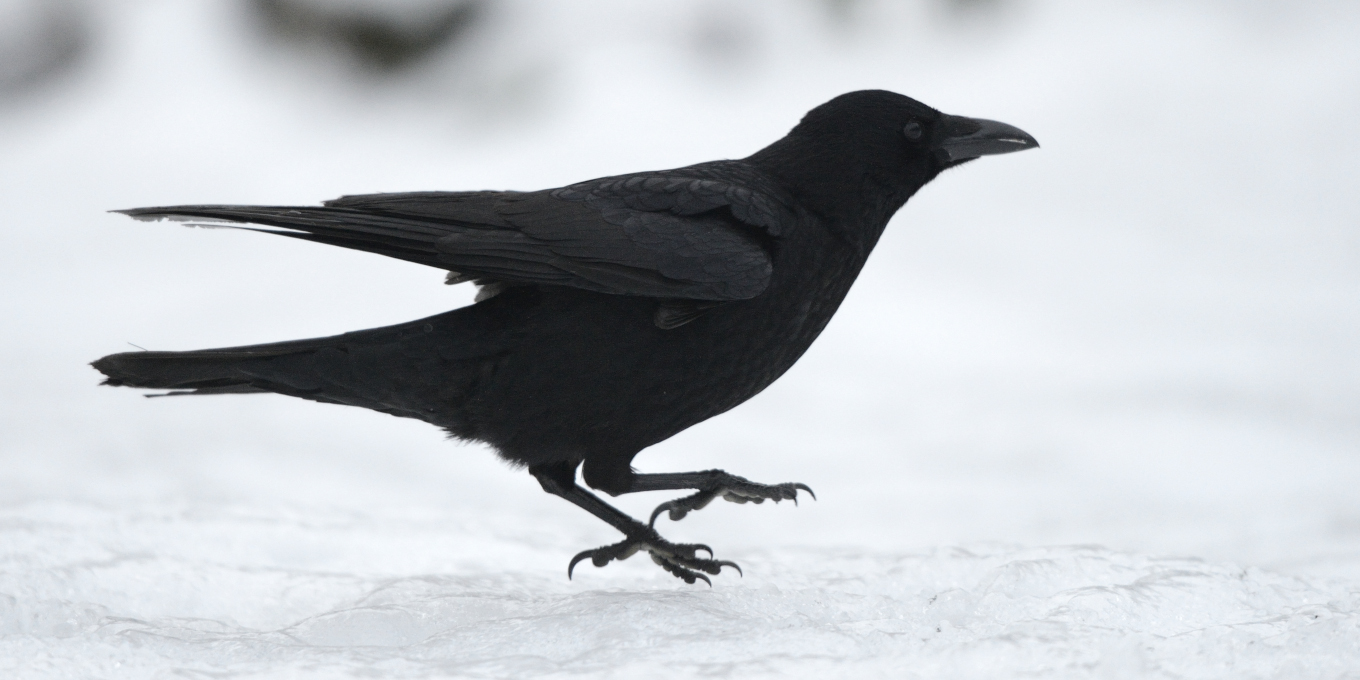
[
  {"x": 969, "y": 7},
  {"x": 40, "y": 40},
  {"x": 378, "y": 35},
  {"x": 723, "y": 36}
]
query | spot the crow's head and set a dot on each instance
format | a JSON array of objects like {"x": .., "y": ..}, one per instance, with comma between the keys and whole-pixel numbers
[
  {"x": 883, "y": 142},
  {"x": 878, "y": 126}
]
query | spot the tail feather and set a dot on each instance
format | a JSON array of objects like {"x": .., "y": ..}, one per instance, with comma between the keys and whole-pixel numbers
[
  {"x": 223, "y": 371},
  {"x": 425, "y": 369}
]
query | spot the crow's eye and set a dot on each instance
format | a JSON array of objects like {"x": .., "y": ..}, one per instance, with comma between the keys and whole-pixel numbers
[{"x": 912, "y": 131}]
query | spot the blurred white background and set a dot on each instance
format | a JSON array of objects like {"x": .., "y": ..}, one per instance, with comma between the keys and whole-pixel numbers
[{"x": 1140, "y": 337}]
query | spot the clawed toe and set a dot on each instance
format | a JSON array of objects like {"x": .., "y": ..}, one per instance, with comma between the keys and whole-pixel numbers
[
  {"x": 734, "y": 490},
  {"x": 680, "y": 559},
  {"x": 678, "y": 508}
]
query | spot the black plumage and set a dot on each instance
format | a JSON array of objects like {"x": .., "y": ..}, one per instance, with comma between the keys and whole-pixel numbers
[{"x": 613, "y": 313}]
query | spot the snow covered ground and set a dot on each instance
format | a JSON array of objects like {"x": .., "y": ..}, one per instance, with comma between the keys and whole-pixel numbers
[{"x": 1091, "y": 411}]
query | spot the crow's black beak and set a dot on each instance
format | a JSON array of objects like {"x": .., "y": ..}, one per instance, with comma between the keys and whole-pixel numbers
[{"x": 969, "y": 138}]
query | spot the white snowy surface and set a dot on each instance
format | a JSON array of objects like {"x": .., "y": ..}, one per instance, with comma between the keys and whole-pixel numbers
[
  {"x": 1090, "y": 411},
  {"x": 285, "y": 594}
]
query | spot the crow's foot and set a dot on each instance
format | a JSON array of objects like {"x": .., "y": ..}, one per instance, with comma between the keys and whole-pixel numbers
[
  {"x": 731, "y": 488},
  {"x": 680, "y": 559}
]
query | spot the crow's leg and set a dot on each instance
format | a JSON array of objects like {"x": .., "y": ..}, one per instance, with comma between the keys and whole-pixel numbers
[
  {"x": 680, "y": 559},
  {"x": 711, "y": 484}
]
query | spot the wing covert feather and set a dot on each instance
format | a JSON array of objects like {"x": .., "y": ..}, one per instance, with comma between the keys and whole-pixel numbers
[{"x": 699, "y": 233}]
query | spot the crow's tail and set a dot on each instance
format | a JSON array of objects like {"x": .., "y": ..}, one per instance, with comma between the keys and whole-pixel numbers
[
  {"x": 425, "y": 369},
  {"x": 237, "y": 370}
]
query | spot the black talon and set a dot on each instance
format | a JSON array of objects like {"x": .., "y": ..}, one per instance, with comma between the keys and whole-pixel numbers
[
  {"x": 657, "y": 513},
  {"x": 579, "y": 556}
]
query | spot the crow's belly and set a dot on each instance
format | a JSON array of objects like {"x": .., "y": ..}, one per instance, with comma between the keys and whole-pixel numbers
[{"x": 594, "y": 376}]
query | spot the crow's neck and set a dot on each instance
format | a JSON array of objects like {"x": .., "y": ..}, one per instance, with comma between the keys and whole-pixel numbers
[{"x": 853, "y": 198}]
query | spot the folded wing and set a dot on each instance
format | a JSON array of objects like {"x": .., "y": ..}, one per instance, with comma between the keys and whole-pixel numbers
[{"x": 699, "y": 233}]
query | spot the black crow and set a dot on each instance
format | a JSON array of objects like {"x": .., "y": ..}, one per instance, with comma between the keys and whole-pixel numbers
[{"x": 612, "y": 313}]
